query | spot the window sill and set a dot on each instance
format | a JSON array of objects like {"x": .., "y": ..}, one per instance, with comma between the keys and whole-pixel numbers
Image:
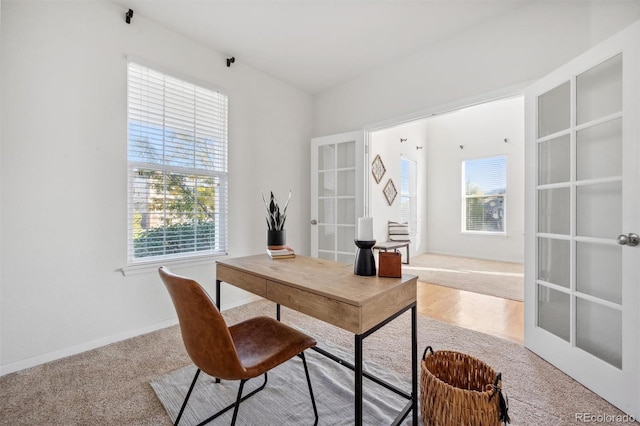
[
  {"x": 153, "y": 265},
  {"x": 485, "y": 234}
]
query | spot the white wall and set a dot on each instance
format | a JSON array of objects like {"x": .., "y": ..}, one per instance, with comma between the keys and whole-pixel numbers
[
  {"x": 481, "y": 130},
  {"x": 63, "y": 173},
  {"x": 514, "y": 49},
  {"x": 387, "y": 144},
  {"x": 1, "y": 203}
]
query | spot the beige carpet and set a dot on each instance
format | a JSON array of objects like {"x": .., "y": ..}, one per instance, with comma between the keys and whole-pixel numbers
[
  {"x": 501, "y": 279},
  {"x": 110, "y": 385}
]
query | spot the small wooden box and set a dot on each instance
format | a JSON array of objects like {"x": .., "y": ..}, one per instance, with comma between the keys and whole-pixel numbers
[{"x": 389, "y": 264}]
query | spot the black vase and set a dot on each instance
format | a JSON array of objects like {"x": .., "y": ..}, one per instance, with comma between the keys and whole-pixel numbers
[
  {"x": 276, "y": 238},
  {"x": 365, "y": 263}
]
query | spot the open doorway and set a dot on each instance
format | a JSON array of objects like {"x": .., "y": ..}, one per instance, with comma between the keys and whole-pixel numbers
[
  {"x": 463, "y": 273},
  {"x": 464, "y": 202}
]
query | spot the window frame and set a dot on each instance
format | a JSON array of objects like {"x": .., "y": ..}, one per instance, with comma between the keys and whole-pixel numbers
[
  {"x": 218, "y": 171},
  {"x": 465, "y": 197}
]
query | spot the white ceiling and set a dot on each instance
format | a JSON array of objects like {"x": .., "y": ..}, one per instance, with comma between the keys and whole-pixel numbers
[{"x": 315, "y": 44}]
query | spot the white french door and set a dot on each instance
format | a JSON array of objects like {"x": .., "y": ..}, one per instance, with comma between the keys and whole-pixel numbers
[
  {"x": 337, "y": 194},
  {"x": 582, "y": 294}
]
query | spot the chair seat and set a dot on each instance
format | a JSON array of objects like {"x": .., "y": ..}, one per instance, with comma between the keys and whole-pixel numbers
[{"x": 263, "y": 343}]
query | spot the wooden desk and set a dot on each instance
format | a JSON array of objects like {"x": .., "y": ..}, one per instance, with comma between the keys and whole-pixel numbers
[{"x": 330, "y": 292}]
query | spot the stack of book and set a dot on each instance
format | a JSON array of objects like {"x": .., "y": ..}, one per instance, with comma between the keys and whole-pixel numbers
[{"x": 283, "y": 253}]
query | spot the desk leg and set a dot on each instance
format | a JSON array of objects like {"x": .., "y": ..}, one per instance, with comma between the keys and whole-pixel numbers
[
  {"x": 414, "y": 364},
  {"x": 358, "y": 380},
  {"x": 218, "y": 305},
  {"x": 218, "y": 293}
]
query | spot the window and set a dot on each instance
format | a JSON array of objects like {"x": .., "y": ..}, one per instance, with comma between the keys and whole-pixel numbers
[
  {"x": 177, "y": 151},
  {"x": 484, "y": 191},
  {"x": 408, "y": 199}
]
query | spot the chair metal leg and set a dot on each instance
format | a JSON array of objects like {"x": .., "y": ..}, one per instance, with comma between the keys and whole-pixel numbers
[
  {"x": 237, "y": 403},
  {"x": 241, "y": 398},
  {"x": 184, "y": 404},
  {"x": 313, "y": 400}
]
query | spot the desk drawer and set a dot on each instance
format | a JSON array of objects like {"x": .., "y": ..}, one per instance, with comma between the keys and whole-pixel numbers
[
  {"x": 251, "y": 283},
  {"x": 332, "y": 311}
]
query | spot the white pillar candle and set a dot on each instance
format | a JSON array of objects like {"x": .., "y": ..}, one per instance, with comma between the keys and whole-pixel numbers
[{"x": 365, "y": 229}]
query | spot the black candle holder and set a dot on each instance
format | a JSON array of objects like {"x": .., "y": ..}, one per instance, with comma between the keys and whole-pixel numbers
[{"x": 365, "y": 263}]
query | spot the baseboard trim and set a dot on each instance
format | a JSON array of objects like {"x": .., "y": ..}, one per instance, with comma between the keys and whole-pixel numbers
[
  {"x": 443, "y": 253},
  {"x": 94, "y": 344}
]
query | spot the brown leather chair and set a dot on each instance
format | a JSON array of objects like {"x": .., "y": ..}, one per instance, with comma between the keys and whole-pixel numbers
[{"x": 239, "y": 352}]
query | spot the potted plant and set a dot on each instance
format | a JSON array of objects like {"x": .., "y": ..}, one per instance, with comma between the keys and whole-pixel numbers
[{"x": 276, "y": 235}]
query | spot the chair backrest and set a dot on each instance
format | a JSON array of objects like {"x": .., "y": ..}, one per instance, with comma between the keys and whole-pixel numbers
[
  {"x": 398, "y": 231},
  {"x": 205, "y": 334}
]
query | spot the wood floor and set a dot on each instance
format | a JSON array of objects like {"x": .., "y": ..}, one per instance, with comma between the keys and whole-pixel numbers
[{"x": 502, "y": 318}]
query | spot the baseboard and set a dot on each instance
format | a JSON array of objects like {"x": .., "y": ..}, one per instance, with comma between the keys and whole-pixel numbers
[
  {"x": 94, "y": 344},
  {"x": 469, "y": 256}
]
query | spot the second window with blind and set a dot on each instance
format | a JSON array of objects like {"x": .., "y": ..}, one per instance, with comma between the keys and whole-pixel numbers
[
  {"x": 177, "y": 156},
  {"x": 408, "y": 194},
  {"x": 484, "y": 191}
]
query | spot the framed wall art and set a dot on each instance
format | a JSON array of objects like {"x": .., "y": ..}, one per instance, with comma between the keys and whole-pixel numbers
[
  {"x": 390, "y": 192},
  {"x": 377, "y": 168}
]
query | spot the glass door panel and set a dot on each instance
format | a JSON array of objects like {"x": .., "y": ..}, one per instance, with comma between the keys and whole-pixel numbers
[
  {"x": 599, "y": 331},
  {"x": 599, "y": 271},
  {"x": 347, "y": 155},
  {"x": 346, "y": 210},
  {"x": 326, "y": 238},
  {"x": 599, "y": 210},
  {"x": 554, "y": 312},
  {"x": 553, "y": 261},
  {"x": 554, "y": 110},
  {"x": 346, "y": 235},
  {"x": 345, "y": 258},
  {"x": 327, "y": 157},
  {"x": 554, "y": 208},
  {"x": 599, "y": 150},
  {"x": 326, "y": 183},
  {"x": 326, "y": 210},
  {"x": 553, "y": 156},
  {"x": 599, "y": 91},
  {"x": 346, "y": 181}
]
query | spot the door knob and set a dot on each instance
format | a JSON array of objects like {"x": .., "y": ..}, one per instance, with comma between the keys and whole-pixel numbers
[
  {"x": 314, "y": 222},
  {"x": 629, "y": 240}
]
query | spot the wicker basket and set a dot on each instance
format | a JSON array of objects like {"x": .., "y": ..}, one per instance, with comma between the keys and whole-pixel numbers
[{"x": 458, "y": 389}]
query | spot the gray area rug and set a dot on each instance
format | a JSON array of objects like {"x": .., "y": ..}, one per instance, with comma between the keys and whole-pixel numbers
[
  {"x": 500, "y": 279},
  {"x": 285, "y": 400}
]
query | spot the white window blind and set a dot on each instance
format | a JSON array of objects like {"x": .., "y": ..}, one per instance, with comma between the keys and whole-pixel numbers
[
  {"x": 177, "y": 157},
  {"x": 408, "y": 194},
  {"x": 483, "y": 191}
]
